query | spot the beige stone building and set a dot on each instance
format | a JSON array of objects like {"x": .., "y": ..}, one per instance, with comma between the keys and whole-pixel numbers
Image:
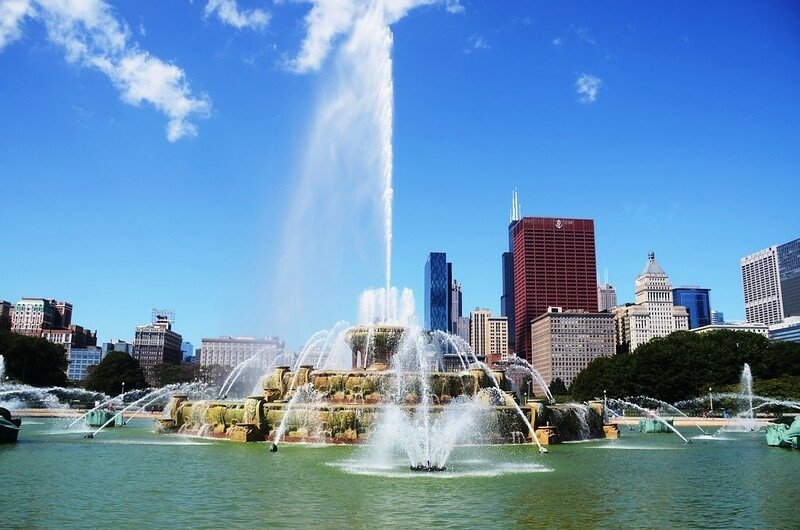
[
  {"x": 488, "y": 335},
  {"x": 654, "y": 313},
  {"x": 230, "y": 351},
  {"x": 565, "y": 342}
]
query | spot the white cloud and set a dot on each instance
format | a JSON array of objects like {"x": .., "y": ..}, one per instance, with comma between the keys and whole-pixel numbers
[
  {"x": 588, "y": 87},
  {"x": 454, "y": 6},
  {"x": 557, "y": 42},
  {"x": 93, "y": 37},
  {"x": 585, "y": 36},
  {"x": 476, "y": 42},
  {"x": 12, "y": 12},
  {"x": 228, "y": 12}
]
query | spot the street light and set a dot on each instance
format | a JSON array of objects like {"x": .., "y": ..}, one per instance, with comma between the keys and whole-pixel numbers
[
  {"x": 121, "y": 418},
  {"x": 605, "y": 400},
  {"x": 711, "y": 399}
]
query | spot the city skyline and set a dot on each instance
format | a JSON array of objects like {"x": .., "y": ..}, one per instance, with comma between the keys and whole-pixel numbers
[{"x": 655, "y": 132}]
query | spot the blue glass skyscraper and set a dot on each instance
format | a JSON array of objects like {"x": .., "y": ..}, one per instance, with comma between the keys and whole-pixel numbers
[
  {"x": 696, "y": 301},
  {"x": 438, "y": 278}
]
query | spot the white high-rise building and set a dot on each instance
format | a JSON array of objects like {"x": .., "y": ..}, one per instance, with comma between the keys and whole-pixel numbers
[
  {"x": 654, "y": 313},
  {"x": 762, "y": 287},
  {"x": 488, "y": 335}
]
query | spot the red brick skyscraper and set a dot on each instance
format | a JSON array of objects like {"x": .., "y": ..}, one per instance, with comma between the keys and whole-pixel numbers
[{"x": 554, "y": 265}]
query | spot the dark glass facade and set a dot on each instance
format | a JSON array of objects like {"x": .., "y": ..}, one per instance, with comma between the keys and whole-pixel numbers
[
  {"x": 696, "y": 301},
  {"x": 554, "y": 265},
  {"x": 789, "y": 272},
  {"x": 507, "y": 298},
  {"x": 438, "y": 278}
]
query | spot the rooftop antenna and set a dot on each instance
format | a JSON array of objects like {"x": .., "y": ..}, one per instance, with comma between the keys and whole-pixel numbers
[
  {"x": 606, "y": 275},
  {"x": 515, "y": 206}
]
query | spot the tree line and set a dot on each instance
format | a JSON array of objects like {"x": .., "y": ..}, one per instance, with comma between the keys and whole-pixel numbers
[{"x": 684, "y": 365}]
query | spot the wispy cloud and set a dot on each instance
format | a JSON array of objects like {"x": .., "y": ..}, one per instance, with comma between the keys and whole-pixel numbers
[
  {"x": 454, "y": 6},
  {"x": 228, "y": 12},
  {"x": 475, "y": 43},
  {"x": 588, "y": 87},
  {"x": 12, "y": 13},
  {"x": 557, "y": 42},
  {"x": 585, "y": 36},
  {"x": 92, "y": 37}
]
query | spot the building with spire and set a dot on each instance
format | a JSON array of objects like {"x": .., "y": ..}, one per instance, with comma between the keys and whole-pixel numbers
[
  {"x": 507, "y": 262},
  {"x": 654, "y": 314}
]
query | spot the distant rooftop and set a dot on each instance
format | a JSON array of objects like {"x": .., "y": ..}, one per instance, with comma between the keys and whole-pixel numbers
[{"x": 653, "y": 268}]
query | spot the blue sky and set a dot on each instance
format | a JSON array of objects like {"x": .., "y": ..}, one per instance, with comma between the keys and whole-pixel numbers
[{"x": 684, "y": 141}]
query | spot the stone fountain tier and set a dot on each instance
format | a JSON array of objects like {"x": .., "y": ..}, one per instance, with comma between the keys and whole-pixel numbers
[
  {"x": 374, "y": 346},
  {"x": 343, "y": 406}
]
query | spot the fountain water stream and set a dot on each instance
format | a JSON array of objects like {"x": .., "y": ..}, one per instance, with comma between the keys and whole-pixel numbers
[{"x": 649, "y": 413}]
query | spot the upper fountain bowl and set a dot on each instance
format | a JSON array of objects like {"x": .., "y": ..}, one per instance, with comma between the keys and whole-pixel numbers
[{"x": 374, "y": 346}]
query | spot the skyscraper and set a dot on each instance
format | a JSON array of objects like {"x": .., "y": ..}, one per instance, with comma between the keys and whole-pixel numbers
[
  {"x": 488, "y": 335},
  {"x": 438, "y": 298},
  {"x": 717, "y": 317},
  {"x": 771, "y": 283},
  {"x": 654, "y": 314},
  {"x": 606, "y": 296},
  {"x": 156, "y": 343},
  {"x": 789, "y": 272},
  {"x": 697, "y": 303},
  {"x": 507, "y": 299},
  {"x": 455, "y": 303},
  {"x": 554, "y": 265}
]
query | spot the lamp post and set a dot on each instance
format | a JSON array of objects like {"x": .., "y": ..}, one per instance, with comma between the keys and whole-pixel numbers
[
  {"x": 605, "y": 400},
  {"x": 711, "y": 399}
]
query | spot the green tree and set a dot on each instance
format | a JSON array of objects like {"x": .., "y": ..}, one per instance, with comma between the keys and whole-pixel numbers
[
  {"x": 558, "y": 388},
  {"x": 685, "y": 364},
  {"x": 33, "y": 361},
  {"x": 168, "y": 373},
  {"x": 117, "y": 367}
]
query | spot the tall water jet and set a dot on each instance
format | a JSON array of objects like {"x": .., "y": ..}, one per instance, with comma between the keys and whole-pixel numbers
[{"x": 2, "y": 369}]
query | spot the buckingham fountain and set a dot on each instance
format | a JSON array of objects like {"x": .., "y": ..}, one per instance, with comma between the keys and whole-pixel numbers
[{"x": 394, "y": 395}]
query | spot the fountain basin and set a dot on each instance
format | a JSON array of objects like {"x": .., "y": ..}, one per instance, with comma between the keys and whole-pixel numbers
[{"x": 345, "y": 407}]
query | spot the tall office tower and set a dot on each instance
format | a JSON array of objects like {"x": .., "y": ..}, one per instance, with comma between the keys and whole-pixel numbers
[
  {"x": 789, "y": 271},
  {"x": 438, "y": 299},
  {"x": 771, "y": 283},
  {"x": 187, "y": 351},
  {"x": 157, "y": 343},
  {"x": 6, "y": 315},
  {"x": 488, "y": 335},
  {"x": 654, "y": 314},
  {"x": 696, "y": 301},
  {"x": 554, "y": 265},
  {"x": 455, "y": 304},
  {"x": 717, "y": 317},
  {"x": 565, "y": 342},
  {"x": 507, "y": 298},
  {"x": 606, "y": 296},
  {"x": 462, "y": 329}
]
